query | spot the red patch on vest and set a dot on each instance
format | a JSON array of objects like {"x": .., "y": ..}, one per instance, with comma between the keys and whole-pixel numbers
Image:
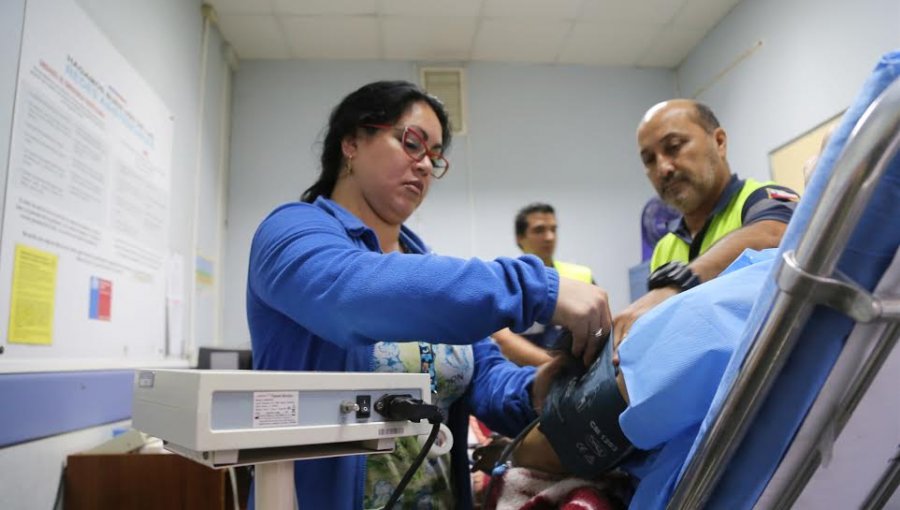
[{"x": 784, "y": 196}]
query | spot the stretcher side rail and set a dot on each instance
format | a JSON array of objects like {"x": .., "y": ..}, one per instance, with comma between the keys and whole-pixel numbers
[
  {"x": 864, "y": 308},
  {"x": 883, "y": 490},
  {"x": 871, "y": 146}
]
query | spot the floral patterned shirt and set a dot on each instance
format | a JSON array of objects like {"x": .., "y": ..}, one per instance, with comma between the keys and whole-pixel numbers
[{"x": 431, "y": 487}]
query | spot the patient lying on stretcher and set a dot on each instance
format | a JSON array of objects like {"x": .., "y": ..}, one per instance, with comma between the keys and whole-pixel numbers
[{"x": 643, "y": 418}]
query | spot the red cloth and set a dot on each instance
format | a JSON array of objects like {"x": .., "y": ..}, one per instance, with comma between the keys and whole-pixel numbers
[
  {"x": 482, "y": 435},
  {"x": 525, "y": 489}
]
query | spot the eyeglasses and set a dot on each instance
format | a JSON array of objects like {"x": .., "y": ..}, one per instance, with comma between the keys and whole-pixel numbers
[{"x": 416, "y": 148}]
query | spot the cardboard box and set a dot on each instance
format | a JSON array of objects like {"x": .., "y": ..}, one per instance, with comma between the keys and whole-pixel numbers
[{"x": 145, "y": 481}]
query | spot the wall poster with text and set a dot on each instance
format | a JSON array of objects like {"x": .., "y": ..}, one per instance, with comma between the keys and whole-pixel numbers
[{"x": 87, "y": 198}]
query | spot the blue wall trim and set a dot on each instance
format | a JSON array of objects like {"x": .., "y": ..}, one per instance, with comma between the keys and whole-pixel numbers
[{"x": 36, "y": 405}]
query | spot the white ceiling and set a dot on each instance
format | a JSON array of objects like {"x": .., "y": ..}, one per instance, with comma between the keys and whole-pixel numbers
[{"x": 641, "y": 33}]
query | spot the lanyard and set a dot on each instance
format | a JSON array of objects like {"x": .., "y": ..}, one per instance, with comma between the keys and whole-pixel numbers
[{"x": 426, "y": 355}]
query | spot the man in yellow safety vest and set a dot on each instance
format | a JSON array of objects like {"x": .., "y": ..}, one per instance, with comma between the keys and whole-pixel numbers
[
  {"x": 536, "y": 235},
  {"x": 683, "y": 149}
]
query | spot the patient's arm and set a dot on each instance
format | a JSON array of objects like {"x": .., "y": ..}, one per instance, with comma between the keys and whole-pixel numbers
[
  {"x": 535, "y": 452},
  {"x": 758, "y": 236},
  {"x": 519, "y": 350}
]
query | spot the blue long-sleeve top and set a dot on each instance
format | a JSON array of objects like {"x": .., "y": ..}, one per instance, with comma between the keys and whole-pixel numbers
[{"x": 321, "y": 293}]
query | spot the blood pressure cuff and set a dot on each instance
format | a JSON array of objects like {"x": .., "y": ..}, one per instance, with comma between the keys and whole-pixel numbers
[{"x": 581, "y": 416}]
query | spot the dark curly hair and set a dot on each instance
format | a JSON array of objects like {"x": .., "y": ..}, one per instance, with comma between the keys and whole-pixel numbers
[{"x": 380, "y": 102}]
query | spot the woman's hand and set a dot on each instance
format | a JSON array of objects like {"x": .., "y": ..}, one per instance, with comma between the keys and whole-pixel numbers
[{"x": 583, "y": 309}]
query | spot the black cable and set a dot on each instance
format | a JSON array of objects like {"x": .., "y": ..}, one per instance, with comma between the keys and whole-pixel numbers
[
  {"x": 436, "y": 427},
  {"x": 60, "y": 490},
  {"x": 561, "y": 346},
  {"x": 403, "y": 407},
  {"x": 503, "y": 461}
]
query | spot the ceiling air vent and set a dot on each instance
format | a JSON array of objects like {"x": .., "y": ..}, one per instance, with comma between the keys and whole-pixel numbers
[{"x": 447, "y": 83}]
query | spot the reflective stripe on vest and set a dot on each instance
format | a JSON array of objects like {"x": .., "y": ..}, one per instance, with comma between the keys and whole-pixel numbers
[
  {"x": 573, "y": 271},
  {"x": 671, "y": 247}
]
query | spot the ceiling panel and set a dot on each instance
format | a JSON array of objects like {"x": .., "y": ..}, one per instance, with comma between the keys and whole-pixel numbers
[
  {"x": 435, "y": 8},
  {"x": 670, "y": 48},
  {"x": 309, "y": 7},
  {"x": 419, "y": 38},
  {"x": 254, "y": 36},
  {"x": 241, "y": 6},
  {"x": 703, "y": 14},
  {"x": 519, "y": 40},
  {"x": 607, "y": 44},
  {"x": 544, "y": 9},
  {"x": 652, "y": 12},
  {"x": 333, "y": 37},
  {"x": 588, "y": 32}
]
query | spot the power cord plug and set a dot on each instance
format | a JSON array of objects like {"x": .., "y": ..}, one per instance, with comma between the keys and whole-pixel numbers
[{"x": 404, "y": 407}]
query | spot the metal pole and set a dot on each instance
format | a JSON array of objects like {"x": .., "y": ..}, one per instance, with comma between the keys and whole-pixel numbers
[
  {"x": 860, "y": 166},
  {"x": 885, "y": 487},
  {"x": 274, "y": 486}
]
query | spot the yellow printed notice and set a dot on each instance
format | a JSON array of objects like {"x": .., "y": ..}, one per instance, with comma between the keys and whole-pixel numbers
[{"x": 33, "y": 295}]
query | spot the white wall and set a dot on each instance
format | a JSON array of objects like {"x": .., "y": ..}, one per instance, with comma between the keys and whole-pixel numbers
[
  {"x": 162, "y": 39},
  {"x": 559, "y": 134},
  {"x": 814, "y": 59},
  {"x": 211, "y": 178},
  {"x": 564, "y": 135},
  {"x": 12, "y": 17},
  {"x": 32, "y": 472}
]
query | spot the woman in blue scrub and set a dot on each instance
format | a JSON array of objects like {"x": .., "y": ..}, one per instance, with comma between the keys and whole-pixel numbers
[{"x": 338, "y": 283}]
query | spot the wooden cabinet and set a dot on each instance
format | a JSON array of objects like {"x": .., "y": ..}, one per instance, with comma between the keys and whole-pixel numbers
[{"x": 148, "y": 482}]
